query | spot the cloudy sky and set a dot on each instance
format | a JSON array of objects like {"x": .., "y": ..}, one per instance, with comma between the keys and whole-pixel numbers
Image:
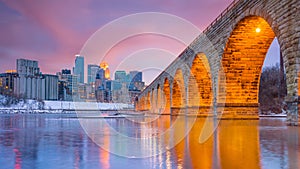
[{"x": 53, "y": 31}]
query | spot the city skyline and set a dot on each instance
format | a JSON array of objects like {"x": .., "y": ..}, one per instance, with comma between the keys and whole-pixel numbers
[
  {"x": 69, "y": 71},
  {"x": 29, "y": 83}
]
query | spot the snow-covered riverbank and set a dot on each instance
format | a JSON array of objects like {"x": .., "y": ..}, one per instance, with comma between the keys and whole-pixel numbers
[
  {"x": 33, "y": 106},
  {"x": 274, "y": 115}
]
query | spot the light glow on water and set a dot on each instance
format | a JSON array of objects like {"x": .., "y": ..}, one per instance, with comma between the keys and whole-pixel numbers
[{"x": 57, "y": 141}]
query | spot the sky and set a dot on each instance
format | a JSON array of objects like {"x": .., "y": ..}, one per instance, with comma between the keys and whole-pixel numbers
[{"x": 54, "y": 31}]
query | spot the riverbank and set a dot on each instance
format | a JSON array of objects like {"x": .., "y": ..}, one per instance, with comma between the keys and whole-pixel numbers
[{"x": 33, "y": 106}]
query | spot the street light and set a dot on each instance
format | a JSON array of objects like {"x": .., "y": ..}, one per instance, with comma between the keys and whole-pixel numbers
[{"x": 258, "y": 30}]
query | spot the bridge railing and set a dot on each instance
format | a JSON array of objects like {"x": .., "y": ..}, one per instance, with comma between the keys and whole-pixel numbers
[{"x": 231, "y": 5}]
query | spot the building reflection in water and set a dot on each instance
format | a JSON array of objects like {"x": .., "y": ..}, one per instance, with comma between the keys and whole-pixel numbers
[
  {"x": 18, "y": 160},
  {"x": 104, "y": 155}
]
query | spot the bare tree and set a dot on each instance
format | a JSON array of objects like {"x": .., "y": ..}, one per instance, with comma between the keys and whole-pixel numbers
[{"x": 272, "y": 89}]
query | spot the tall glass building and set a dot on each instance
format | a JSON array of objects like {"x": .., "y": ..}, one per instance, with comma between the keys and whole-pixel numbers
[
  {"x": 120, "y": 76},
  {"x": 92, "y": 72},
  {"x": 79, "y": 68}
]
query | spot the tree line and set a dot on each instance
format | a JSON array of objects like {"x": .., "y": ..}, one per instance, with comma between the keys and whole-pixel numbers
[{"x": 272, "y": 90}]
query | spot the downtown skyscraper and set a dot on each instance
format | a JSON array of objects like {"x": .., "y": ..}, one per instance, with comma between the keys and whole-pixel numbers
[
  {"x": 92, "y": 72},
  {"x": 79, "y": 68}
]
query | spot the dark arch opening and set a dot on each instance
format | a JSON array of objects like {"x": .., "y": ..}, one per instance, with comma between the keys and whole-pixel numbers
[{"x": 273, "y": 88}]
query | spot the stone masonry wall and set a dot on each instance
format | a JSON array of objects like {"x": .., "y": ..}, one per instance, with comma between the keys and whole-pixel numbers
[{"x": 283, "y": 18}]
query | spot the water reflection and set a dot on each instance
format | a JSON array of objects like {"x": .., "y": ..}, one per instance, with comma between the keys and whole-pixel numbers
[
  {"x": 58, "y": 141},
  {"x": 279, "y": 144},
  {"x": 239, "y": 144},
  {"x": 201, "y": 154}
]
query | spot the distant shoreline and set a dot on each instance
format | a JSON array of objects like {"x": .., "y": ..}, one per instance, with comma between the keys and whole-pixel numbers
[
  {"x": 59, "y": 111},
  {"x": 95, "y": 113}
]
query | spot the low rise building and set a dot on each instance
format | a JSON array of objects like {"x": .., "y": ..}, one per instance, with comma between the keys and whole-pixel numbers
[{"x": 7, "y": 82}]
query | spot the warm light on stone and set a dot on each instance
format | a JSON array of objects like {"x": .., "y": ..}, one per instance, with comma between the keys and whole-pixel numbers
[
  {"x": 242, "y": 62},
  {"x": 166, "y": 91},
  {"x": 240, "y": 40}
]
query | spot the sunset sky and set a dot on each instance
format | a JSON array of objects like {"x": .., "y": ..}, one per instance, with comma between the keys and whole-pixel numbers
[{"x": 53, "y": 31}]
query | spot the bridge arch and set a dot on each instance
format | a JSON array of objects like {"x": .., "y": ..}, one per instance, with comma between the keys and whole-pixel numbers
[
  {"x": 148, "y": 106},
  {"x": 152, "y": 102},
  {"x": 142, "y": 103},
  {"x": 166, "y": 96},
  {"x": 158, "y": 98},
  {"x": 200, "y": 94},
  {"x": 242, "y": 62},
  {"x": 178, "y": 92},
  {"x": 145, "y": 102}
]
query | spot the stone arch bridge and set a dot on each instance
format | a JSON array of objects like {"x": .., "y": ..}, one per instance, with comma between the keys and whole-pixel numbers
[{"x": 218, "y": 74}]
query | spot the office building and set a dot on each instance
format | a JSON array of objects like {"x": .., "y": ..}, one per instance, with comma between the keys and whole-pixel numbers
[
  {"x": 105, "y": 67},
  {"x": 29, "y": 82},
  {"x": 7, "y": 81},
  {"x": 121, "y": 95},
  {"x": 100, "y": 79},
  {"x": 51, "y": 87},
  {"x": 66, "y": 71},
  {"x": 68, "y": 85},
  {"x": 100, "y": 85},
  {"x": 27, "y": 67},
  {"x": 79, "y": 68},
  {"x": 90, "y": 91},
  {"x": 92, "y": 72},
  {"x": 136, "y": 76},
  {"x": 135, "y": 81},
  {"x": 82, "y": 92},
  {"x": 120, "y": 76},
  {"x": 126, "y": 87},
  {"x": 62, "y": 90}
]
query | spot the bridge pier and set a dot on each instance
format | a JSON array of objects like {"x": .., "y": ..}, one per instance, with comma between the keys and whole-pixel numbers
[
  {"x": 238, "y": 111},
  {"x": 177, "y": 111},
  {"x": 200, "y": 111},
  {"x": 293, "y": 108}
]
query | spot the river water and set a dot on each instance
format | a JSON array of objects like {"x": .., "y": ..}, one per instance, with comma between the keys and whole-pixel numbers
[{"x": 64, "y": 141}]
